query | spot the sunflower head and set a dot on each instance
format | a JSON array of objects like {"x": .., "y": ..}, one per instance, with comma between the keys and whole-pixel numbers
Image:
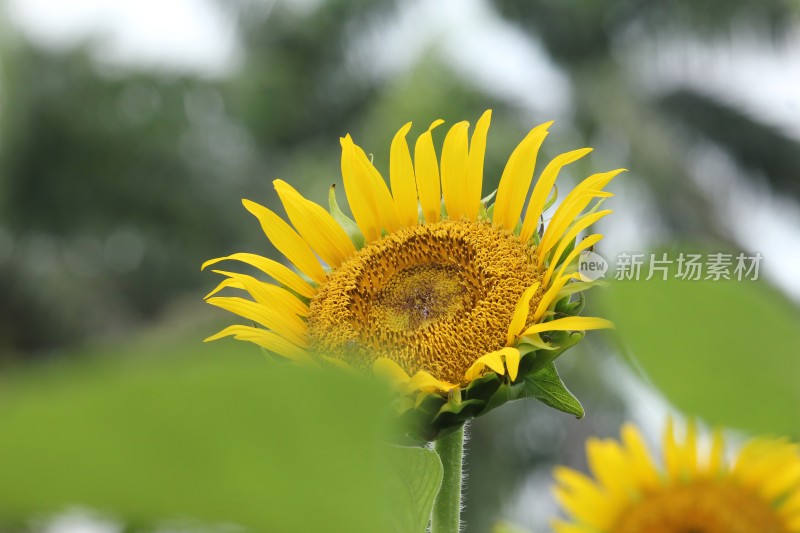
[
  {"x": 757, "y": 492},
  {"x": 463, "y": 303}
]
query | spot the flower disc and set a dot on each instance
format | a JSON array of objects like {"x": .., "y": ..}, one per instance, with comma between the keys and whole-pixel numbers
[{"x": 434, "y": 297}]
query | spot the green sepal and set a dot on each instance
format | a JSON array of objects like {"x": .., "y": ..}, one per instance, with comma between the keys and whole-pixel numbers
[
  {"x": 416, "y": 425},
  {"x": 508, "y": 392},
  {"x": 483, "y": 387},
  {"x": 347, "y": 224},
  {"x": 567, "y": 306},
  {"x": 551, "y": 199},
  {"x": 488, "y": 197},
  {"x": 561, "y": 340},
  {"x": 453, "y": 415},
  {"x": 436, "y": 416},
  {"x": 566, "y": 252},
  {"x": 547, "y": 387},
  {"x": 485, "y": 213}
]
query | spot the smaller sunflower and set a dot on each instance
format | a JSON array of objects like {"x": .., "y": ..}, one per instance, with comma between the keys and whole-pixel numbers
[{"x": 758, "y": 492}]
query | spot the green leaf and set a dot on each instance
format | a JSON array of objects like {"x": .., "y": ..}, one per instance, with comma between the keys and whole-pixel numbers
[
  {"x": 414, "y": 481},
  {"x": 218, "y": 440},
  {"x": 724, "y": 351},
  {"x": 547, "y": 387}
]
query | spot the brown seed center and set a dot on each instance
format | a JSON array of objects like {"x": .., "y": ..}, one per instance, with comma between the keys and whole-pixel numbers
[{"x": 433, "y": 297}]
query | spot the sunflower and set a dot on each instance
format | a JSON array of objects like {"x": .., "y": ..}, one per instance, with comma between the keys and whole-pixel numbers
[
  {"x": 758, "y": 492},
  {"x": 454, "y": 298}
]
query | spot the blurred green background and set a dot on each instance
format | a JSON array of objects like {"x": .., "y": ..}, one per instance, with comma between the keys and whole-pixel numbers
[{"x": 129, "y": 132}]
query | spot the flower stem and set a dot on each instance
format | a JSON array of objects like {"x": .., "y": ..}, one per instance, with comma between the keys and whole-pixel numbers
[{"x": 447, "y": 507}]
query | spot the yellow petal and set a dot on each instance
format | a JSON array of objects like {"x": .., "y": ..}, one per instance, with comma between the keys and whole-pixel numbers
[
  {"x": 280, "y": 273},
  {"x": 641, "y": 459},
  {"x": 287, "y": 241},
  {"x": 454, "y": 170},
  {"x": 287, "y": 325},
  {"x": 791, "y": 507},
  {"x": 581, "y": 224},
  {"x": 549, "y": 297},
  {"x": 689, "y": 450},
  {"x": 572, "y": 323},
  {"x": 608, "y": 465},
  {"x": 582, "y": 498},
  {"x": 367, "y": 194},
  {"x": 423, "y": 381},
  {"x": 542, "y": 190},
  {"x": 716, "y": 461},
  {"x": 574, "y": 203},
  {"x": 268, "y": 340},
  {"x": 589, "y": 241},
  {"x": 477, "y": 150},
  {"x": 315, "y": 225},
  {"x": 517, "y": 177},
  {"x": 224, "y": 284},
  {"x": 401, "y": 176},
  {"x": 784, "y": 480},
  {"x": 491, "y": 360},
  {"x": 268, "y": 294},
  {"x": 427, "y": 171},
  {"x": 512, "y": 357},
  {"x": 521, "y": 312},
  {"x": 385, "y": 367},
  {"x": 671, "y": 452}
]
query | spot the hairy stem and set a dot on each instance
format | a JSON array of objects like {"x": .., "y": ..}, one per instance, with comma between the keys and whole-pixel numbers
[{"x": 446, "y": 516}]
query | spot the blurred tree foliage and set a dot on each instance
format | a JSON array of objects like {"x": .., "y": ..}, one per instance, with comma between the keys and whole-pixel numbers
[
  {"x": 115, "y": 184},
  {"x": 588, "y": 40}
]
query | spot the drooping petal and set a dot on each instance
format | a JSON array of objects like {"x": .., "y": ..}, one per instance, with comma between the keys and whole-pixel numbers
[
  {"x": 287, "y": 241},
  {"x": 268, "y": 294},
  {"x": 454, "y": 170},
  {"x": 477, "y": 150},
  {"x": 516, "y": 178},
  {"x": 572, "y": 323},
  {"x": 226, "y": 283},
  {"x": 317, "y": 227},
  {"x": 491, "y": 360},
  {"x": 268, "y": 340},
  {"x": 426, "y": 168},
  {"x": 403, "y": 181},
  {"x": 280, "y": 273},
  {"x": 512, "y": 357},
  {"x": 287, "y": 325},
  {"x": 542, "y": 190}
]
